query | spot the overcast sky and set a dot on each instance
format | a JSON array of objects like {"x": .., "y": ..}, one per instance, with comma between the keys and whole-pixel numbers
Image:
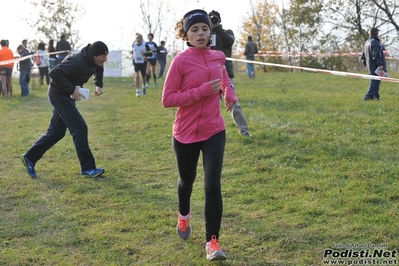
[{"x": 114, "y": 21}]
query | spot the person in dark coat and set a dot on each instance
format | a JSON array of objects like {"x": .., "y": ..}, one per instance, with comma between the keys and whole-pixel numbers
[
  {"x": 223, "y": 40},
  {"x": 63, "y": 48},
  {"x": 67, "y": 78},
  {"x": 373, "y": 58},
  {"x": 24, "y": 67}
]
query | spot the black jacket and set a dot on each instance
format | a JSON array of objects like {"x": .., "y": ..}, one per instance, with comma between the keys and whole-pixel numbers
[
  {"x": 250, "y": 50},
  {"x": 224, "y": 42},
  {"x": 25, "y": 64},
  {"x": 63, "y": 45},
  {"x": 373, "y": 55},
  {"x": 74, "y": 70}
]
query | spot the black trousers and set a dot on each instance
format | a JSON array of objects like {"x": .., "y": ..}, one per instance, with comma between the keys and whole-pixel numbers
[
  {"x": 187, "y": 156},
  {"x": 65, "y": 115},
  {"x": 44, "y": 74}
]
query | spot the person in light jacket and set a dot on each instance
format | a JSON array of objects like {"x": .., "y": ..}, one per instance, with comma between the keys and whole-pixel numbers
[
  {"x": 140, "y": 53},
  {"x": 196, "y": 79},
  {"x": 44, "y": 63}
]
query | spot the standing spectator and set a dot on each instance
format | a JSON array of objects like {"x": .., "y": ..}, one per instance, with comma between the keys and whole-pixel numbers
[
  {"x": 373, "y": 58},
  {"x": 250, "y": 50},
  {"x": 66, "y": 80},
  {"x": 140, "y": 53},
  {"x": 25, "y": 67},
  {"x": 25, "y": 44},
  {"x": 152, "y": 60},
  {"x": 196, "y": 79},
  {"x": 6, "y": 69},
  {"x": 52, "y": 54},
  {"x": 162, "y": 58},
  {"x": 62, "y": 45},
  {"x": 223, "y": 40},
  {"x": 44, "y": 62}
]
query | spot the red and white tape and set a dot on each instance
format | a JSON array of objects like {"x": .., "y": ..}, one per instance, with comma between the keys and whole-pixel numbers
[
  {"x": 17, "y": 59},
  {"x": 338, "y": 73},
  {"x": 314, "y": 54}
]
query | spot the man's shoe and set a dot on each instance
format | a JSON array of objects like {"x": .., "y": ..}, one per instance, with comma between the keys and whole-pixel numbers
[
  {"x": 93, "y": 173},
  {"x": 30, "y": 167},
  {"x": 144, "y": 90},
  {"x": 213, "y": 251},
  {"x": 183, "y": 227},
  {"x": 155, "y": 84},
  {"x": 370, "y": 98},
  {"x": 138, "y": 92}
]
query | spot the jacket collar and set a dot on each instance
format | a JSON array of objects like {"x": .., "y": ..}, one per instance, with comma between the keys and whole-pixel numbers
[{"x": 195, "y": 50}]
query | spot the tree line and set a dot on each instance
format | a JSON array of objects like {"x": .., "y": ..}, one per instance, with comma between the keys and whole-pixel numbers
[
  {"x": 321, "y": 26},
  {"x": 293, "y": 26}
]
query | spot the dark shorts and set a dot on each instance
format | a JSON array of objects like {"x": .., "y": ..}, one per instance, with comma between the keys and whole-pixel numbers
[
  {"x": 5, "y": 71},
  {"x": 142, "y": 67},
  {"x": 153, "y": 62}
]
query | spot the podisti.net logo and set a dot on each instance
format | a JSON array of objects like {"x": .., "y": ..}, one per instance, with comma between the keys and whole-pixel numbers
[{"x": 360, "y": 257}]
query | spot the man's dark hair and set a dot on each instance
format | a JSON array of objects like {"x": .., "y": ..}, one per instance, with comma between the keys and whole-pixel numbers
[
  {"x": 249, "y": 38},
  {"x": 3, "y": 43},
  {"x": 374, "y": 32},
  {"x": 63, "y": 36},
  {"x": 41, "y": 46}
]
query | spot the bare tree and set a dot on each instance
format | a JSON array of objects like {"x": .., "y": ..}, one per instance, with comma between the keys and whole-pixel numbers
[
  {"x": 355, "y": 17},
  {"x": 286, "y": 39},
  {"x": 322, "y": 26},
  {"x": 390, "y": 9},
  {"x": 263, "y": 26},
  {"x": 154, "y": 16},
  {"x": 303, "y": 24},
  {"x": 56, "y": 17}
]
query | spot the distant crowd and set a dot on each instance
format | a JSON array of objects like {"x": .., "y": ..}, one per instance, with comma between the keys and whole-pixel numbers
[{"x": 44, "y": 59}]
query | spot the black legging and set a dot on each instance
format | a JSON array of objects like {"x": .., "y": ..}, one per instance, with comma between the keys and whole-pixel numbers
[
  {"x": 44, "y": 74},
  {"x": 187, "y": 160}
]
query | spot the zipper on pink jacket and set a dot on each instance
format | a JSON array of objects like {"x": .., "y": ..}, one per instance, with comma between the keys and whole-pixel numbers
[{"x": 202, "y": 106}]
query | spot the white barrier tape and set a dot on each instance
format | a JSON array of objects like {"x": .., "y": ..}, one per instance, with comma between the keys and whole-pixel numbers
[
  {"x": 327, "y": 55},
  {"x": 5, "y": 62},
  {"x": 297, "y": 54},
  {"x": 314, "y": 54},
  {"x": 339, "y": 73}
]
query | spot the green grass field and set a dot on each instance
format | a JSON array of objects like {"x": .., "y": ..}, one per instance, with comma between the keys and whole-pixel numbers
[{"x": 321, "y": 169}]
